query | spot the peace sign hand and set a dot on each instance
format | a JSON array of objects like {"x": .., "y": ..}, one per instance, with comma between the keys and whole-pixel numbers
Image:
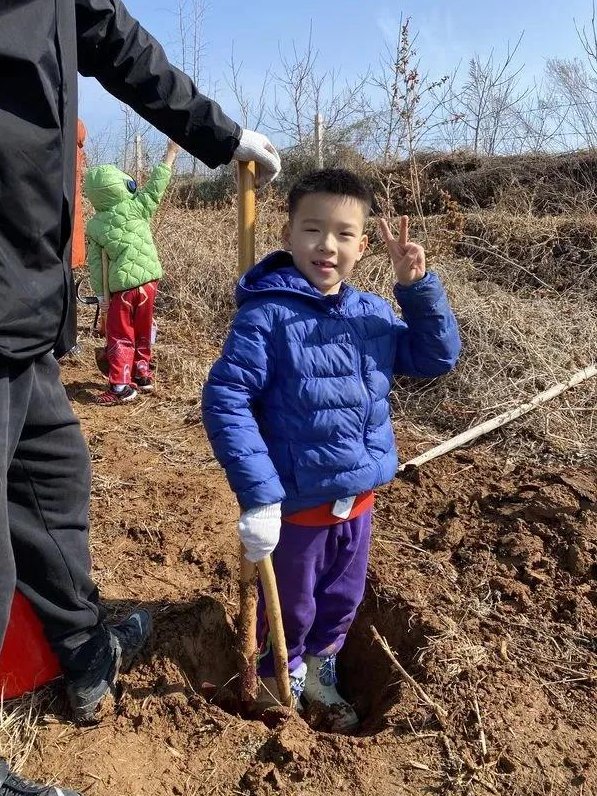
[{"x": 407, "y": 258}]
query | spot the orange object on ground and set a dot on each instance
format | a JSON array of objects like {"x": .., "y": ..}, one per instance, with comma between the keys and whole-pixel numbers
[
  {"x": 26, "y": 659},
  {"x": 78, "y": 247}
]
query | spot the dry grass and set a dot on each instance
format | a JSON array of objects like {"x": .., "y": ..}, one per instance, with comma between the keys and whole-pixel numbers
[
  {"x": 199, "y": 253},
  {"x": 19, "y": 727}
]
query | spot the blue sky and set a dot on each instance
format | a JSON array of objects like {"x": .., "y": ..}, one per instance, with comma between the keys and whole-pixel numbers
[{"x": 350, "y": 36}]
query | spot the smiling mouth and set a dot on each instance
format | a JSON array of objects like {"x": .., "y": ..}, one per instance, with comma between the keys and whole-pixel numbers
[{"x": 325, "y": 264}]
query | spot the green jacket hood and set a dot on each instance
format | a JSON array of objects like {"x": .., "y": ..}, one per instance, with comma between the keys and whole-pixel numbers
[{"x": 106, "y": 186}]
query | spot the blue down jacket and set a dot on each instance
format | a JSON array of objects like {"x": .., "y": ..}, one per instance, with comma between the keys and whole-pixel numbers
[{"x": 296, "y": 408}]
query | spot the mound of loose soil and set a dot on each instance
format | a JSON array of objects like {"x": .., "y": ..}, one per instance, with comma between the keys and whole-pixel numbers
[
  {"x": 535, "y": 184},
  {"x": 482, "y": 580},
  {"x": 557, "y": 252}
]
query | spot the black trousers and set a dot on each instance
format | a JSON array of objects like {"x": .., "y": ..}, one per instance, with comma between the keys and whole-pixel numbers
[{"x": 45, "y": 481}]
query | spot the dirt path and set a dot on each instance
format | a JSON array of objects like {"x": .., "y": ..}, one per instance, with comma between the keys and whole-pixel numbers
[{"x": 482, "y": 579}]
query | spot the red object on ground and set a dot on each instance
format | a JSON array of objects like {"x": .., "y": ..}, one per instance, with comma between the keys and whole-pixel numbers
[{"x": 26, "y": 659}]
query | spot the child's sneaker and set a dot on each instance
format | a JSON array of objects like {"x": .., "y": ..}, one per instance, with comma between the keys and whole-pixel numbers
[
  {"x": 144, "y": 383},
  {"x": 13, "y": 785},
  {"x": 320, "y": 686},
  {"x": 111, "y": 397},
  {"x": 269, "y": 696},
  {"x": 127, "y": 639}
]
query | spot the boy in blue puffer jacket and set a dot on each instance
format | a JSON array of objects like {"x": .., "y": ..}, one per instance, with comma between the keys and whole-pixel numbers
[{"x": 297, "y": 411}]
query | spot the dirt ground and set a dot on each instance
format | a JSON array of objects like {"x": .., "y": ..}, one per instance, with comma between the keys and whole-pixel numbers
[{"x": 483, "y": 581}]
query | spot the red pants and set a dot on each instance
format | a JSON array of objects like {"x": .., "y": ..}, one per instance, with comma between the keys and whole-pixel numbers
[{"x": 128, "y": 333}]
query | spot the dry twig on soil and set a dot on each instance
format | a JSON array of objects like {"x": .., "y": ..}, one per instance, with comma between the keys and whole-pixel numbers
[{"x": 439, "y": 711}]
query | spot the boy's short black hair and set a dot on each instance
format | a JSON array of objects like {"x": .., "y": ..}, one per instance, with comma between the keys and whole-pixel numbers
[{"x": 339, "y": 182}]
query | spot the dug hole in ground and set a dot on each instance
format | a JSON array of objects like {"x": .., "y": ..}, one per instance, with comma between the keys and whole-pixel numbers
[{"x": 482, "y": 577}]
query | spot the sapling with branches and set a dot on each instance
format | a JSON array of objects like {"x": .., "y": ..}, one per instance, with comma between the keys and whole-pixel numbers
[{"x": 408, "y": 113}]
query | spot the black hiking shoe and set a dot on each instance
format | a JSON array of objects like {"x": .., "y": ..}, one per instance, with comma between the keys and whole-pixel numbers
[
  {"x": 127, "y": 639},
  {"x": 13, "y": 785}
]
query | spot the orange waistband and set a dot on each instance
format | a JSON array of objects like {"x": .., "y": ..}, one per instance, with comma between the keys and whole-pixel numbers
[{"x": 322, "y": 515}]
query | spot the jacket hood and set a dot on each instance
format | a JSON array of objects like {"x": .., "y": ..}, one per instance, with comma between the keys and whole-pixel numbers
[
  {"x": 277, "y": 273},
  {"x": 106, "y": 186}
]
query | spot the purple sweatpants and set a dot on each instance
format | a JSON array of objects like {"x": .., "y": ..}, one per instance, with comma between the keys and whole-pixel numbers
[{"x": 321, "y": 575}]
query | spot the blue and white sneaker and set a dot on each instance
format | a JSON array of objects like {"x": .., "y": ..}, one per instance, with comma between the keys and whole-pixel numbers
[
  {"x": 320, "y": 686},
  {"x": 127, "y": 639}
]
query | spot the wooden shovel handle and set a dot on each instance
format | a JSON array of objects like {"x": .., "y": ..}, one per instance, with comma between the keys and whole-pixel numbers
[
  {"x": 105, "y": 276},
  {"x": 276, "y": 626},
  {"x": 105, "y": 290},
  {"x": 248, "y": 629},
  {"x": 248, "y": 571},
  {"x": 246, "y": 216}
]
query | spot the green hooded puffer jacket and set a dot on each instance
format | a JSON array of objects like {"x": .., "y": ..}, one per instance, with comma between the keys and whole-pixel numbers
[{"x": 121, "y": 226}]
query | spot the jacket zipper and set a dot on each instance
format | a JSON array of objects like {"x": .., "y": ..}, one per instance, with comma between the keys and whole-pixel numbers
[
  {"x": 363, "y": 386},
  {"x": 368, "y": 401}
]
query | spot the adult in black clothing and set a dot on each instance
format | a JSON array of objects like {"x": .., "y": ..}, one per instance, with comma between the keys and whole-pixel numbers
[{"x": 44, "y": 462}]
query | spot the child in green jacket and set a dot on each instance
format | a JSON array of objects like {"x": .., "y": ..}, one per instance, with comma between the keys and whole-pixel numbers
[{"x": 121, "y": 228}]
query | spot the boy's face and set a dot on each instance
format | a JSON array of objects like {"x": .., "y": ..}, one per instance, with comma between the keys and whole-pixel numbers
[{"x": 325, "y": 236}]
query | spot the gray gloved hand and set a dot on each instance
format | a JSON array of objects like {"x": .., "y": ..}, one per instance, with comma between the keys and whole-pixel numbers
[
  {"x": 257, "y": 147},
  {"x": 259, "y": 530}
]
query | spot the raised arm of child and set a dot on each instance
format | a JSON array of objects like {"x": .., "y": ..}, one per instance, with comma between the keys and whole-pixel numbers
[
  {"x": 428, "y": 342},
  {"x": 149, "y": 197}
]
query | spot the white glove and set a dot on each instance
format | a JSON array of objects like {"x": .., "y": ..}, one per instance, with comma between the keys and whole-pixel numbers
[
  {"x": 255, "y": 146},
  {"x": 259, "y": 530}
]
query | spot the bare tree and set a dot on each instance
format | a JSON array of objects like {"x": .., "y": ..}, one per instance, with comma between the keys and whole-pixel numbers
[
  {"x": 588, "y": 40},
  {"x": 575, "y": 83},
  {"x": 190, "y": 18},
  {"x": 576, "y": 89},
  {"x": 538, "y": 122},
  {"x": 252, "y": 112},
  {"x": 482, "y": 108},
  {"x": 133, "y": 126},
  {"x": 102, "y": 146},
  {"x": 302, "y": 92},
  {"x": 190, "y": 15}
]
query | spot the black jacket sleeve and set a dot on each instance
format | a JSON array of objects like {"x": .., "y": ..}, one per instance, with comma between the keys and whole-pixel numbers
[{"x": 133, "y": 67}]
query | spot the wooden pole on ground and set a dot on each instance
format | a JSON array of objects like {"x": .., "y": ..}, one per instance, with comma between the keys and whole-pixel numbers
[
  {"x": 248, "y": 571},
  {"x": 501, "y": 420}
]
